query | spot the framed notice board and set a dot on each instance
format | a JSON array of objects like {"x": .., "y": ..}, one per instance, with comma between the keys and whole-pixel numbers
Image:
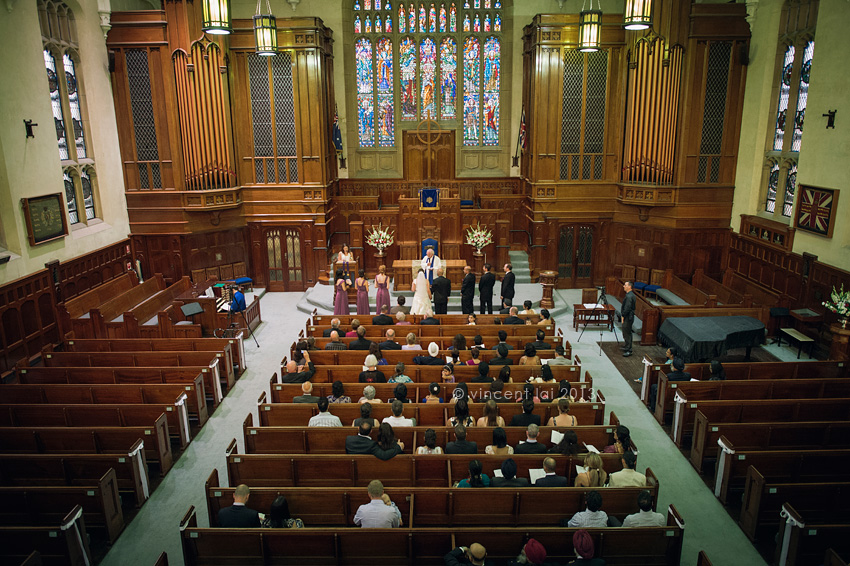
[
  {"x": 45, "y": 217},
  {"x": 816, "y": 208}
]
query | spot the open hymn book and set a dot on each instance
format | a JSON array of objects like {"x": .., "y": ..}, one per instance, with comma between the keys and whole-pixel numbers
[{"x": 533, "y": 475}]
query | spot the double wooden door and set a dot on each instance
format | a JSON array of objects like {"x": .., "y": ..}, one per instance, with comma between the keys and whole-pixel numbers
[
  {"x": 284, "y": 259},
  {"x": 575, "y": 256}
]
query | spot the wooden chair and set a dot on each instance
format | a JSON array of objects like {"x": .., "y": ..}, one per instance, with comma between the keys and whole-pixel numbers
[
  {"x": 641, "y": 280},
  {"x": 212, "y": 274},
  {"x": 588, "y": 296},
  {"x": 199, "y": 276},
  {"x": 628, "y": 273}
]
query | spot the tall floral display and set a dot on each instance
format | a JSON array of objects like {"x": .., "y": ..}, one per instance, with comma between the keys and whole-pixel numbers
[
  {"x": 380, "y": 238},
  {"x": 478, "y": 237}
]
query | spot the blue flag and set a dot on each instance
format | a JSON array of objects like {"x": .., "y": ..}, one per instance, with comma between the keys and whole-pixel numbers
[{"x": 337, "y": 135}]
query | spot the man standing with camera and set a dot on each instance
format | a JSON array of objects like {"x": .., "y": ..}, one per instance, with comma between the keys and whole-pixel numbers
[{"x": 627, "y": 311}]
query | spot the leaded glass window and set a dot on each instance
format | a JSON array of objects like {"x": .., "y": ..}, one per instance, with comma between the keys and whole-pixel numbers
[
  {"x": 784, "y": 95},
  {"x": 471, "y": 90},
  {"x": 584, "y": 89},
  {"x": 802, "y": 96},
  {"x": 772, "y": 185}
]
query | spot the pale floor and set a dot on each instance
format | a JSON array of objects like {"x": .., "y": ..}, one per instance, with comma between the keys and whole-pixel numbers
[{"x": 155, "y": 527}]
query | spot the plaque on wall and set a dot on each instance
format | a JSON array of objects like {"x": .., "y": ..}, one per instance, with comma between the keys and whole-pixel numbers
[
  {"x": 45, "y": 218},
  {"x": 816, "y": 209}
]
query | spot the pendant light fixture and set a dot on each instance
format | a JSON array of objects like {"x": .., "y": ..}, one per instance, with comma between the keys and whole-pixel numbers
[
  {"x": 265, "y": 31},
  {"x": 638, "y": 14},
  {"x": 590, "y": 28},
  {"x": 216, "y": 17}
]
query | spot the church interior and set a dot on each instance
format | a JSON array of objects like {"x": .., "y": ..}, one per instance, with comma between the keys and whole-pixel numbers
[{"x": 586, "y": 143}]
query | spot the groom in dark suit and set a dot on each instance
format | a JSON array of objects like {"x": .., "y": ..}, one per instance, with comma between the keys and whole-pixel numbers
[
  {"x": 441, "y": 288},
  {"x": 485, "y": 290},
  {"x": 508, "y": 284},
  {"x": 467, "y": 291}
]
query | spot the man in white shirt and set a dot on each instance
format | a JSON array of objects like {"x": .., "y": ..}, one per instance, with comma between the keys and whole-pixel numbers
[
  {"x": 324, "y": 418},
  {"x": 380, "y": 512},
  {"x": 591, "y": 517},
  {"x": 430, "y": 264},
  {"x": 396, "y": 419},
  {"x": 627, "y": 477},
  {"x": 646, "y": 517}
]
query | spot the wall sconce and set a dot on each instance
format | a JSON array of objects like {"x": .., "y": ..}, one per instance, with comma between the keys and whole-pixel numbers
[
  {"x": 29, "y": 126},
  {"x": 216, "y": 17},
  {"x": 294, "y": 3},
  {"x": 265, "y": 31},
  {"x": 638, "y": 14},
  {"x": 589, "y": 28}
]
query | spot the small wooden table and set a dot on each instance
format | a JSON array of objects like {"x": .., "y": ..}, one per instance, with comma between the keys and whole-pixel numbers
[
  {"x": 583, "y": 315},
  {"x": 801, "y": 339}
]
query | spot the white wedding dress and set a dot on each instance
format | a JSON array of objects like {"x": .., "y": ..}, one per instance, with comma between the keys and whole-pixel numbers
[{"x": 421, "y": 302}]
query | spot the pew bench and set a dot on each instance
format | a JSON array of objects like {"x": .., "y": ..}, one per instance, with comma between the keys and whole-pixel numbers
[
  {"x": 803, "y": 539},
  {"x": 427, "y": 331},
  {"x": 98, "y": 323},
  {"x": 65, "y": 542}
]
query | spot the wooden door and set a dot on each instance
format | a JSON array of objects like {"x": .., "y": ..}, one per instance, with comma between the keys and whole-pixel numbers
[
  {"x": 418, "y": 155},
  {"x": 575, "y": 256},
  {"x": 284, "y": 259}
]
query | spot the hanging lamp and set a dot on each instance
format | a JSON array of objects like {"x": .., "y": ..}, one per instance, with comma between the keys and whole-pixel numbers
[
  {"x": 638, "y": 14},
  {"x": 265, "y": 31},
  {"x": 589, "y": 28},
  {"x": 216, "y": 17}
]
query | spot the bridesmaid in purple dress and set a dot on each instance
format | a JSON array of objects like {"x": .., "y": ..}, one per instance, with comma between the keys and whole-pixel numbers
[
  {"x": 382, "y": 283},
  {"x": 362, "y": 285},
  {"x": 341, "y": 297}
]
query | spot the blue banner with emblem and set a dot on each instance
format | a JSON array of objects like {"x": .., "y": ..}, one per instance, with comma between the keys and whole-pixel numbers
[{"x": 429, "y": 198}]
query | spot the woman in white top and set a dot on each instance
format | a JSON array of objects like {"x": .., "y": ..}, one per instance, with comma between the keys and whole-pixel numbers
[
  {"x": 421, "y": 295},
  {"x": 411, "y": 343},
  {"x": 430, "y": 444},
  {"x": 491, "y": 415},
  {"x": 500, "y": 444},
  {"x": 345, "y": 254}
]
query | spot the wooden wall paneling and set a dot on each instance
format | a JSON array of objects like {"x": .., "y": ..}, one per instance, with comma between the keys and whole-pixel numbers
[
  {"x": 28, "y": 319},
  {"x": 165, "y": 118},
  {"x": 258, "y": 254},
  {"x": 243, "y": 134},
  {"x": 80, "y": 274},
  {"x": 309, "y": 117}
]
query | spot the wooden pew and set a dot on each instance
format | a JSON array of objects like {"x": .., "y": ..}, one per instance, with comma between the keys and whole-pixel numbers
[
  {"x": 803, "y": 539},
  {"x": 702, "y": 559},
  {"x": 95, "y": 326},
  {"x": 685, "y": 291},
  {"x": 65, "y": 542},
  {"x": 644, "y": 310},
  {"x": 763, "y": 499},
  {"x": 427, "y": 374},
  {"x": 761, "y": 295},
  {"x": 415, "y": 319},
  {"x": 43, "y": 505},
  {"x": 188, "y": 397},
  {"x": 146, "y": 320},
  {"x": 516, "y": 342},
  {"x": 420, "y": 546},
  {"x": 356, "y": 357},
  {"x": 725, "y": 295},
  {"x": 765, "y": 410},
  {"x": 832, "y": 559},
  {"x": 78, "y": 469},
  {"x": 427, "y": 331},
  {"x": 93, "y": 298},
  {"x": 130, "y": 375},
  {"x": 753, "y": 434}
]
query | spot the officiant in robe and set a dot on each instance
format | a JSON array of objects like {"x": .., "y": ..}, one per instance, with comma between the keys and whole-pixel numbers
[{"x": 430, "y": 264}]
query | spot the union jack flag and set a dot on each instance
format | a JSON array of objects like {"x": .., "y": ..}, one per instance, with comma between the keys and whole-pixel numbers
[
  {"x": 522, "y": 131},
  {"x": 815, "y": 210}
]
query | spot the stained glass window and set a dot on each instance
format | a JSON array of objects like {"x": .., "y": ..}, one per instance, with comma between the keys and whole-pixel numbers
[
  {"x": 407, "y": 70},
  {"x": 411, "y": 19},
  {"x": 385, "y": 114},
  {"x": 790, "y": 190},
  {"x": 388, "y": 6},
  {"x": 378, "y": 23},
  {"x": 471, "y": 90},
  {"x": 487, "y": 4},
  {"x": 497, "y": 23},
  {"x": 772, "y": 182},
  {"x": 428, "y": 76},
  {"x": 476, "y": 23},
  {"x": 422, "y": 23},
  {"x": 356, "y": 4},
  {"x": 358, "y": 27},
  {"x": 453, "y": 19},
  {"x": 367, "y": 4},
  {"x": 486, "y": 22},
  {"x": 448, "y": 78},
  {"x": 466, "y": 24},
  {"x": 402, "y": 19},
  {"x": 498, "y": 4},
  {"x": 88, "y": 193},
  {"x": 56, "y": 104},
  {"x": 477, "y": 4},
  {"x": 74, "y": 102},
  {"x": 442, "y": 18},
  {"x": 368, "y": 25},
  {"x": 365, "y": 93},
  {"x": 492, "y": 68},
  {"x": 432, "y": 19},
  {"x": 388, "y": 24},
  {"x": 802, "y": 96},
  {"x": 784, "y": 93},
  {"x": 71, "y": 198},
  {"x": 377, "y": 4}
]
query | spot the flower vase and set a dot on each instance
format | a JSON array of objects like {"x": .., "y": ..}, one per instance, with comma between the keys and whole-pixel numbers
[
  {"x": 380, "y": 253},
  {"x": 842, "y": 320}
]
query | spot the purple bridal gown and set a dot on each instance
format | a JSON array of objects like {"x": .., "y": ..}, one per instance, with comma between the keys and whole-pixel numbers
[
  {"x": 383, "y": 295},
  {"x": 341, "y": 299},
  {"x": 362, "y": 298}
]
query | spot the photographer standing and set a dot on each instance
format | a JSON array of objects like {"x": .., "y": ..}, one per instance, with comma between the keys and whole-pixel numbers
[{"x": 238, "y": 302}]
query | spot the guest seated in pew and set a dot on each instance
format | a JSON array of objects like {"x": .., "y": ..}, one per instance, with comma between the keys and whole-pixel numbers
[
  {"x": 594, "y": 475},
  {"x": 432, "y": 359},
  {"x": 366, "y": 416},
  {"x": 593, "y": 516},
  {"x": 559, "y": 359},
  {"x": 355, "y": 324},
  {"x": 369, "y": 395},
  {"x": 398, "y": 376},
  {"x": 371, "y": 373},
  {"x": 483, "y": 374},
  {"x": 238, "y": 515},
  {"x": 361, "y": 343},
  {"x": 411, "y": 342},
  {"x": 474, "y": 354},
  {"x": 503, "y": 335},
  {"x": 496, "y": 393},
  {"x": 311, "y": 344},
  {"x": 628, "y": 476},
  {"x": 502, "y": 359},
  {"x": 530, "y": 444},
  {"x": 390, "y": 343},
  {"x": 459, "y": 342},
  {"x": 478, "y": 343},
  {"x": 335, "y": 343},
  {"x": 380, "y": 512},
  {"x": 334, "y": 326},
  {"x": 474, "y": 554},
  {"x": 400, "y": 308},
  {"x": 678, "y": 374},
  {"x": 526, "y": 417},
  {"x": 505, "y": 375},
  {"x": 500, "y": 444},
  {"x": 506, "y": 307},
  {"x": 528, "y": 392},
  {"x": 433, "y": 393},
  {"x": 461, "y": 415},
  {"x": 400, "y": 393},
  {"x": 568, "y": 446},
  {"x": 477, "y": 477},
  {"x": 461, "y": 445},
  {"x": 429, "y": 319},
  {"x": 563, "y": 418},
  {"x": 430, "y": 446},
  {"x": 338, "y": 393},
  {"x": 717, "y": 371},
  {"x": 526, "y": 308},
  {"x": 455, "y": 357},
  {"x": 471, "y": 319},
  {"x": 509, "y": 478},
  {"x": 396, "y": 419},
  {"x": 279, "y": 516},
  {"x": 585, "y": 550},
  {"x": 532, "y": 554},
  {"x": 646, "y": 517},
  {"x": 551, "y": 479},
  {"x": 384, "y": 317},
  {"x": 387, "y": 442},
  {"x": 298, "y": 355},
  {"x": 513, "y": 318},
  {"x": 622, "y": 441},
  {"x": 324, "y": 418},
  {"x": 530, "y": 357},
  {"x": 545, "y": 318},
  {"x": 375, "y": 350},
  {"x": 362, "y": 443},
  {"x": 401, "y": 319},
  {"x": 447, "y": 374},
  {"x": 292, "y": 374},
  {"x": 491, "y": 411},
  {"x": 540, "y": 342},
  {"x": 461, "y": 392},
  {"x": 670, "y": 355},
  {"x": 306, "y": 394}
]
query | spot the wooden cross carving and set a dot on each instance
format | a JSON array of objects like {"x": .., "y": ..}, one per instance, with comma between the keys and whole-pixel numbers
[{"x": 428, "y": 140}]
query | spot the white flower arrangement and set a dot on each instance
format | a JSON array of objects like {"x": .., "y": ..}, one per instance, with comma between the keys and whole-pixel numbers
[
  {"x": 479, "y": 237},
  {"x": 840, "y": 303},
  {"x": 380, "y": 238}
]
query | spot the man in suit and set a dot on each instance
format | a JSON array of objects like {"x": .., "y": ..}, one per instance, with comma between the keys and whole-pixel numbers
[
  {"x": 361, "y": 343},
  {"x": 384, "y": 317},
  {"x": 550, "y": 479},
  {"x": 627, "y": 311},
  {"x": 485, "y": 290},
  {"x": 513, "y": 318},
  {"x": 509, "y": 478},
  {"x": 362, "y": 443},
  {"x": 441, "y": 288},
  {"x": 678, "y": 374},
  {"x": 540, "y": 343},
  {"x": 503, "y": 359},
  {"x": 530, "y": 446},
  {"x": 483, "y": 374},
  {"x": 334, "y": 326},
  {"x": 628, "y": 476},
  {"x": 390, "y": 343},
  {"x": 467, "y": 291},
  {"x": 292, "y": 374},
  {"x": 430, "y": 320},
  {"x": 502, "y": 337},
  {"x": 400, "y": 307},
  {"x": 238, "y": 516},
  {"x": 560, "y": 357},
  {"x": 508, "y": 284},
  {"x": 460, "y": 445},
  {"x": 335, "y": 343},
  {"x": 306, "y": 394},
  {"x": 507, "y": 303},
  {"x": 432, "y": 359},
  {"x": 526, "y": 418}
]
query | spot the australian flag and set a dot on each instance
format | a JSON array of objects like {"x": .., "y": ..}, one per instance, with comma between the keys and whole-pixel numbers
[
  {"x": 337, "y": 135},
  {"x": 522, "y": 132}
]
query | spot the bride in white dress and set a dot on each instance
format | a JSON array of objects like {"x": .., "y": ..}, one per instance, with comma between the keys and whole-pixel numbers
[{"x": 421, "y": 295}]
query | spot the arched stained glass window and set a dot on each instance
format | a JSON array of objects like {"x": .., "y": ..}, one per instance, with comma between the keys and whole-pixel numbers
[
  {"x": 476, "y": 23},
  {"x": 402, "y": 19},
  {"x": 453, "y": 19},
  {"x": 772, "y": 183},
  {"x": 802, "y": 96},
  {"x": 367, "y": 26},
  {"x": 790, "y": 190},
  {"x": 378, "y": 24},
  {"x": 358, "y": 27},
  {"x": 423, "y": 25},
  {"x": 492, "y": 72},
  {"x": 497, "y": 23},
  {"x": 448, "y": 78},
  {"x": 407, "y": 70},
  {"x": 471, "y": 91},
  {"x": 385, "y": 111},
  {"x": 784, "y": 93},
  {"x": 388, "y": 24},
  {"x": 466, "y": 24},
  {"x": 428, "y": 77},
  {"x": 432, "y": 19},
  {"x": 411, "y": 18},
  {"x": 365, "y": 92},
  {"x": 367, "y": 4},
  {"x": 442, "y": 18},
  {"x": 486, "y": 22}
]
